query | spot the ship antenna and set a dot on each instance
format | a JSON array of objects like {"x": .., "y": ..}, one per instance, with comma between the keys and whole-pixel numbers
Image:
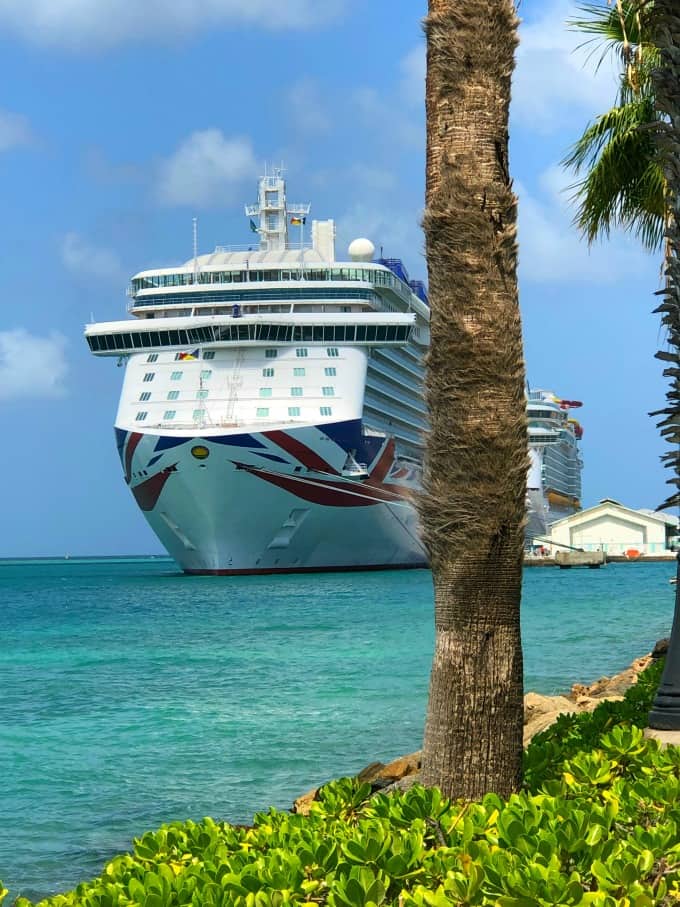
[{"x": 195, "y": 229}]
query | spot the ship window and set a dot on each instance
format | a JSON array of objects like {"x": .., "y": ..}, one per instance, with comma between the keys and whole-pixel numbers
[
  {"x": 152, "y": 358},
  {"x": 270, "y": 354},
  {"x": 169, "y": 414},
  {"x": 176, "y": 376},
  {"x": 210, "y": 354},
  {"x": 330, "y": 371},
  {"x": 202, "y": 394},
  {"x": 267, "y": 372},
  {"x": 145, "y": 395},
  {"x": 141, "y": 416},
  {"x": 293, "y": 410},
  {"x": 199, "y": 415},
  {"x": 205, "y": 374},
  {"x": 265, "y": 391},
  {"x": 173, "y": 395},
  {"x": 328, "y": 391},
  {"x": 299, "y": 372},
  {"x": 332, "y": 351},
  {"x": 149, "y": 376},
  {"x": 301, "y": 353},
  {"x": 326, "y": 411},
  {"x": 296, "y": 391},
  {"x": 262, "y": 411}
]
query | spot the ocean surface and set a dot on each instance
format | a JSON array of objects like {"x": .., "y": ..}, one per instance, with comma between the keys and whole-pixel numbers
[{"x": 131, "y": 695}]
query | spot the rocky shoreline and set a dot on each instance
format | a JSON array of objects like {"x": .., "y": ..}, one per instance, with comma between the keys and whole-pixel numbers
[{"x": 539, "y": 713}]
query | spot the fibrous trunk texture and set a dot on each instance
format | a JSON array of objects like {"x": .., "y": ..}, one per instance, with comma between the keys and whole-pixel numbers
[
  {"x": 473, "y": 504},
  {"x": 662, "y": 19}
]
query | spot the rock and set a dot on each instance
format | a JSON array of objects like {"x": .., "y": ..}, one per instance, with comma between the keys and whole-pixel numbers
[
  {"x": 540, "y": 723},
  {"x": 660, "y": 648},
  {"x": 536, "y": 704},
  {"x": 303, "y": 803},
  {"x": 371, "y": 771}
]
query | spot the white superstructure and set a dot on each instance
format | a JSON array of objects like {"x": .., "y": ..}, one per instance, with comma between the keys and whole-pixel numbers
[{"x": 272, "y": 412}]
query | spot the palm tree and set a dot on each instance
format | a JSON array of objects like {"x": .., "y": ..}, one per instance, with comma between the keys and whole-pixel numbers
[
  {"x": 633, "y": 158},
  {"x": 624, "y": 183},
  {"x": 661, "y": 19},
  {"x": 473, "y": 504}
]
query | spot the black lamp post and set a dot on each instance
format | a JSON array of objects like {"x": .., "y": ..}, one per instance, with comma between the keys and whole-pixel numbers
[{"x": 665, "y": 714}]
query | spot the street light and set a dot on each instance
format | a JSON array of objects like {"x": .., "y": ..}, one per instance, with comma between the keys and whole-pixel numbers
[{"x": 665, "y": 713}]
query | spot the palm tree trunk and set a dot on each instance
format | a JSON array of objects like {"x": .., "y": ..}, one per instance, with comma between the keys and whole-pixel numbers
[
  {"x": 662, "y": 18},
  {"x": 473, "y": 504}
]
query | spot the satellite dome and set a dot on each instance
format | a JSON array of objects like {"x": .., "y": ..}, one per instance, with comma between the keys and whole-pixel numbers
[{"x": 361, "y": 250}]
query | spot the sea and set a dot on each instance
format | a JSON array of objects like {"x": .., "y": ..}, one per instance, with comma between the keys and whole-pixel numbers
[{"x": 132, "y": 695}]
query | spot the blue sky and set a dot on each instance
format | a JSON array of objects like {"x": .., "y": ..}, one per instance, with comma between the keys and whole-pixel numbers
[{"x": 121, "y": 121}]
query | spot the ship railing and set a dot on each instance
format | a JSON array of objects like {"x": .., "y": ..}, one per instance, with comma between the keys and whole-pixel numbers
[{"x": 290, "y": 247}]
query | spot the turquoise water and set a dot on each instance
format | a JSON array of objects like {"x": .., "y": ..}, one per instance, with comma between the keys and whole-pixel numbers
[{"x": 131, "y": 695}]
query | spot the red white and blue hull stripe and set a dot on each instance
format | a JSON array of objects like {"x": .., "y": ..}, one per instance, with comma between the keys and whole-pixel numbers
[{"x": 277, "y": 500}]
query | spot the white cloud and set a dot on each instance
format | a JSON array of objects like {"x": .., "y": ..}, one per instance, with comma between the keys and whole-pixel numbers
[
  {"x": 554, "y": 83},
  {"x": 83, "y": 259},
  {"x": 205, "y": 170},
  {"x": 32, "y": 366},
  {"x": 413, "y": 67},
  {"x": 551, "y": 250},
  {"x": 93, "y": 24},
  {"x": 307, "y": 107},
  {"x": 14, "y": 130}
]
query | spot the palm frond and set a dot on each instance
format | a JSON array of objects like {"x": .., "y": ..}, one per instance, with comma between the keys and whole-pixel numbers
[
  {"x": 619, "y": 121},
  {"x": 624, "y": 184}
]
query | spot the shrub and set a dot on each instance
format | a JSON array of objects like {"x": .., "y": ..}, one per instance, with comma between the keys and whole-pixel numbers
[{"x": 598, "y": 824}]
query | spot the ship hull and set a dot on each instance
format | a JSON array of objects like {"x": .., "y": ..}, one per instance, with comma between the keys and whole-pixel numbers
[{"x": 277, "y": 501}]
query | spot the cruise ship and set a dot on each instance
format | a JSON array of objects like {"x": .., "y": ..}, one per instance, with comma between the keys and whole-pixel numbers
[
  {"x": 554, "y": 479},
  {"x": 272, "y": 416}
]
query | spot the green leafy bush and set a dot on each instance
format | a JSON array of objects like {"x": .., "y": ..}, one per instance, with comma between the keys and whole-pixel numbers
[{"x": 597, "y": 825}]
